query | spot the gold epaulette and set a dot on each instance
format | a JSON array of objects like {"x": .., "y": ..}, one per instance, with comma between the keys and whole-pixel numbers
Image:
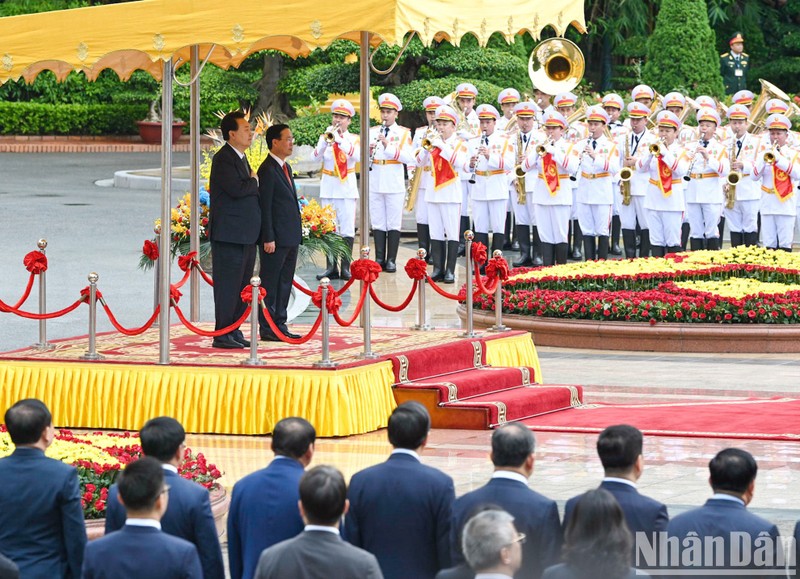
[{"x": 724, "y": 55}]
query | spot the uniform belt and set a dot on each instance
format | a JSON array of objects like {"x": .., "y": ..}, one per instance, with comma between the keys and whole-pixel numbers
[
  {"x": 331, "y": 173},
  {"x": 656, "y": 183},
  {"x": 489, "y": 173},
  {"x": 386, "y": 162},
  {"x": 560, "y": 176},
  {"x": 594, "y": 175},
  {"x": 703, "y": 175},
  {"x": 768, "y": 190}
]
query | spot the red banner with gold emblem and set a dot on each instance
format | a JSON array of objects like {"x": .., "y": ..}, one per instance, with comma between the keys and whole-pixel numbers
[
  {"x": 664, "y": 177},
  {"x": 550, "y": 172},
  {"x": 339, "y": 162},
  {"x": 443, "y": 173},
  {"x": 783, "y": 184}
]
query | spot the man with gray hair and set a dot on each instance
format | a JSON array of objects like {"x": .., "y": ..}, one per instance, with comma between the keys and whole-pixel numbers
[
  {"x": 492, "y": 545},
  {"x": 535, "y": 515}
]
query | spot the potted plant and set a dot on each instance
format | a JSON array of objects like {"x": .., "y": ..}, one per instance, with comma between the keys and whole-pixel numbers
[{"x": 150, "y": 128}]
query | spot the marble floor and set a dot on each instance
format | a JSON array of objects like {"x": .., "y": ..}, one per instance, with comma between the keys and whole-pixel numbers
[{"x": 676, "y": 469}]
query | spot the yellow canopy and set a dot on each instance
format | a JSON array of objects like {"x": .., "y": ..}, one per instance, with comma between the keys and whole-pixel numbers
[{"x": 139, "y": 35}]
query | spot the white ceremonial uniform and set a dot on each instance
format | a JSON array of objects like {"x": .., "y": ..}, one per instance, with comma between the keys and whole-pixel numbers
[
  {"x": 502, "y": 123},
  {"x": 490, "y": 191},
  {"x": 640, "y": 181},
  {"x": 553, "y": 210},
  {"x": 595, "y": 191},
  {"x": 525, "y": 214},
  {"x": 341, "y": 195},
  {"x": 472, "y": 130},
  {"x": 619, "y": 133},
  {"x": 703, "y": 191},
  {"x": 665, "y": 212},
  {"x": 387, "y": 182},
  {"x": 420, "y": 206},
  {"x": 444, "y": 204},
  {"x": 743, "y": 218},
  {"x": 777, "y": 214}
]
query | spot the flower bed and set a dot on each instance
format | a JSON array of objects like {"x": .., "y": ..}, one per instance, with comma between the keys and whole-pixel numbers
[
  {"x": 99, "y": 457},
  {"x": 743, "y": 285}
]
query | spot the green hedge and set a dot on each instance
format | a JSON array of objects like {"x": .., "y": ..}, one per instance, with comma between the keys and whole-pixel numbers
[
  {"x": 306, "y": 130},
  {"x": 413, "y": 93},
  {"x": 69, "y": 119}
]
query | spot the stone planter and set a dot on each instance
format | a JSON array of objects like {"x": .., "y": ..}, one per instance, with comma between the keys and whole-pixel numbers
[
  {"x": 150, "y": 131},
  {"x": 220, "y": 502}
]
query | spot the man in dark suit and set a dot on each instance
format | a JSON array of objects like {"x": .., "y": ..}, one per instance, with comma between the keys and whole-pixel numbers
[
  {"x": 141, "y": 550},
  {"x": 620, "y": 450},
  {"x": 41, "y": 518},
  {"x": 535, "y": 515},
  {"x": 281, "y": 230},
  {"x": 188, "y": 514},
  {"x": 319, "y": 551},
  {"x": 746, "y": 541},
  {"x": 263, "y": 508},
  {"x": 400, "y": 509},
  {"x": 234, "y": 226}
]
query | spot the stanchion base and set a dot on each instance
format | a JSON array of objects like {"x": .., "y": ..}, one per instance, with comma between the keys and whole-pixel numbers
[
  {"x": 325, "y": 364},
  {"x": 369, "y": 355},
  {"x": 256, "y": 362},
  {"x": 422, "y": 328},
  {"x": 471, "y": 335},
  {"x": 46, "y": 347},
  {"x": 90, "y": 356},
  {"x": 499, "y": 328}
]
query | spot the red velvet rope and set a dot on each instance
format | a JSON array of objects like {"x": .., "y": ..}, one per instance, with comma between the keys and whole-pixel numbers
[
  {"x": 200, "y": 332},
  {"x": 416, "y": 268},
  {"x": 485, "y": 289},
  {"x": 27, "y": 293},
  {"x": 399, "y": 308},
  {"x": 357, "y": 311},
  {"x": 440, "y": 291},
  {"x": 284, "y": 338},
  {"x": 478, "y": 252},
  {"x": 204, "y": 275},
  {"x": 188, "y": 261},
  {"x": 365, "y": 270},
  {"x": 150, "y": 249},
  {"x": 131, "y": 331},
  {"x": 332, "y": 300},
  {"x": 35, "y": 262},
  {"x": 308, "y": 292},
  {"x": 183, "y": 279},
  {"x": 247, "y": 294},
  {"x": 4, "y": 307},
  {"x": 497, "y": 268}
]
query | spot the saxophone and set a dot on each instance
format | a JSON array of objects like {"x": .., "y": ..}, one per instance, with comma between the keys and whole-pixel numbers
[
  {"x": 625, "y": 174},
  {"x": 519, "y": 182},
  {"x": 733, "y": 179}
]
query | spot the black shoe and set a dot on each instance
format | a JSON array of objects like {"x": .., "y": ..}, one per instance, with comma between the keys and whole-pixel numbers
[
  {"x": 390, "y": 266},
  {"x": 292, "y": 336},
  {"x": 239, "y": 337},
  {"x": 615, "y": 249},
  {"x": 226, "y": 343},
  {"x": 269, "y": 337}
]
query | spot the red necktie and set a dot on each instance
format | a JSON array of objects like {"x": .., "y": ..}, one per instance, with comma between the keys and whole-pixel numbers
[{"x": 286, "y": 172}]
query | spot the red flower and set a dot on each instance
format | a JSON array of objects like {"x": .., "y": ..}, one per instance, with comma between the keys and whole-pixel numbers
[
  {"x": 751, "y": 314},
  {"x": 652, "y": 321},
  {"x": 150, "y": 249},
  {"x": 100, "y": 505},
  {"x": 90, "y": 487},
  {"x": 728, "y": 316}
]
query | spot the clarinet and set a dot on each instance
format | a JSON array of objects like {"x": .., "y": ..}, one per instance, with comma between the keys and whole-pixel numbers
[
  {"x": 385, "y": 130},
  {"x": 484, "y": 141}
]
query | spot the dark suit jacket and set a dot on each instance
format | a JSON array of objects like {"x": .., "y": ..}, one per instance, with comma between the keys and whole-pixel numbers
[
  {"x": 317, "y": 555},
  {"x": 462, "y": 571},
  {"x": 564, "y": 571},
  {"x": 534, "y": 514},
  {"x": 234, "y": 214},
  {"x": 141, "y": 553},
  {"x": 8, "y": 569},
  {"x": 41, "y": 518},
  {"x": 280, "y": 212},
  {"x": 719, "y": 518},
  {"x": 643, "y": 514},
  {"x": 400, "y": 512},
  {"x": 188, "y": 516},
  {"x": 263, "y": 512}
]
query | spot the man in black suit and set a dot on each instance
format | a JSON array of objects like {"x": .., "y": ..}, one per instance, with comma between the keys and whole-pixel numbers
[
  {"x": 319, "y": 551},
  {"x": 41, "y": 518},
  {"x": 620, "y": 450},
  {"x": 234, "y": 226},
  {"x": 141, "y": 550},
  {"x": 281, "y": 230},
  {"x": 513, "y": 447},
  {"x": 188, "y": 514},
  {"x": 400, "y": 509}
]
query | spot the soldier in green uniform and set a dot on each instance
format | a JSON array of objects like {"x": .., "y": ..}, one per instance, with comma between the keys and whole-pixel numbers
[{"x": 734, "y": 65}]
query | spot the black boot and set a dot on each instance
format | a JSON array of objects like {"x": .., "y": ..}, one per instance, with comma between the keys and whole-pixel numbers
[
  {"x": 712, "y": 243},
  {"x": 345, "y": 267},
  {"x": 561, "y": 251},
  {"x": 721, "y": 227},
  {"x": 696, "y": 243},
  {"x": 644, "y": 244},
  {"x": 674, "y": 249},
  {"x": 498, "y": 242},
  {"x": 548, "y": 254},
  {"x": 786, "y": 249},
  {"x": 685, "y": 230},
  {"x": 437, "y": 253},
  {"x": 751, "y": 239},
  {"x": 450, "y": 264},
  {"x": 392, "y": 245},
  {"x": 507, "y": 233},
  {"x": 380, "y": 246},
  {"x": 658, "y": 250},
  {"x": 589, "y": 248},
  {"x": 536, "y": 248},
  {"x": 523, "y": 236},
  {"x": 737, "y": 238},
  {"x": 424, "y": 240},
  {"x": 463, "y": 226},
  {"x": 577, "y": 236},
  {"x": 602, "y": 247},
  {"x": 331, "y": 271},
  {"x": 616, "y": 227},
  {"x": 629, "y": 240}
]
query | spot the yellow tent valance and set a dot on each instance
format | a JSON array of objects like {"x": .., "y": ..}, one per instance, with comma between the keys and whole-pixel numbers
[{"x": 139, "y": 35}]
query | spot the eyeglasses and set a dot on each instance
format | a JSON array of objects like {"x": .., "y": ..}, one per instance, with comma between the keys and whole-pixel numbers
[{"x": 521, "y": 538}]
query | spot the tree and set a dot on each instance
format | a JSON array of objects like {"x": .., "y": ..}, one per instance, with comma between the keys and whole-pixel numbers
[{"x": 682, "y": 53}]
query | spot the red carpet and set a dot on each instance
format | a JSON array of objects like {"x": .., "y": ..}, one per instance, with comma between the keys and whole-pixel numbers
[{"x": 765, "y": 419}]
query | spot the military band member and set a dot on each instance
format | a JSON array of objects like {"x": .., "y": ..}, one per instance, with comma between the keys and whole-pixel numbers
[
  {"x": 644, "y": 95},
  {"x": 778, "y": 107},
  {"x": 430, "y": 105},
  {"x": 543, "y": 102},
  {"x": 664, "y": 200},
  {"x": 446, "y": 159},
  {"x": 708, "y": 167},
  {"x": 507, "y": 99},
  {"x": 552, "y": 194},
  {"x": 675, "y": 103},
  {"x": 742, "y": 147},
  {"x": 390, "y": 148},
  {"x": 779, "y": 176},
  {"x": 565, "y": 104},
  {"x": 734, "y": 65},
  {"x": 612, "y": 103},
  {"x": 466, "y": 93},
  {"x": 743, "y": 97},
  {"x": 338, "y": 186},
  {"x": 491, "y": 156},
  {"x": 599, "y": 162},
  {"x": 524, "y": 214},
  {"x": 635, "y": 214}
]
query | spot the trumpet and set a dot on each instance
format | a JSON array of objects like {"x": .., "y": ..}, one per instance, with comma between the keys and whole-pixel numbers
[
  {"x": 625, "y": 175},
  {"x": 655, "y": 148},
  {"x": 330, "y": 133},
  {"x": 769, "y": 156}
]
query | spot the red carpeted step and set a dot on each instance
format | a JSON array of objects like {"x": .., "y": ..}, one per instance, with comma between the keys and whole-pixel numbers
[
  {"x": 470, "y": 383},
  {"x": 454, "y": 357},
  {"x": 523, "y": 402}
]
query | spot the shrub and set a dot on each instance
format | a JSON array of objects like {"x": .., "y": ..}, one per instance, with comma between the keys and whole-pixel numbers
[
  {"x": 69, "y": 119},
  {"x": 306, "y": 130},
  {"x": 413, "y": 93}
]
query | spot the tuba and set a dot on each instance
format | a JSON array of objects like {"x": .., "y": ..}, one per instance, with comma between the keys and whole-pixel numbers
[
  {"x": 556, "y": 65},
  {"x": 758, "y": 113}
]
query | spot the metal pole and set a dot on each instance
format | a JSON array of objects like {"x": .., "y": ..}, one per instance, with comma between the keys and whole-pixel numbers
[
  {"x": 365, "y": 318},
  {"x": 422, "y": 324},
  {"x": 325, "y": 362},
  {"x": 166, "y": 211},
  {"x": 469, "y": 333},
  {"x": 194, "y": 192},
  {"x": 42, "y": 344},
  {"x": 91, "y": 353},
  {"x": 157, "y": 270},
  {"x": 253, "y": 360},
  {"x": 363, "y": 228},
  {"x": 498, "y": 302}
]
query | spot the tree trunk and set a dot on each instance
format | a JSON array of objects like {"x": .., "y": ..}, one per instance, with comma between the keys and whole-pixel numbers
[{"x": 270, "y": 100}]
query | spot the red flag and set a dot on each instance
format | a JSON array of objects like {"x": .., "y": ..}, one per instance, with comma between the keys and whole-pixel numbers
[
  {"x": 664, "y": 177},
  {"x": 550, "y": 171},
  {"x": 782, "y": 184},
  {"x": 443, "y": 173},
  {"x": 339, "y": 162}
]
